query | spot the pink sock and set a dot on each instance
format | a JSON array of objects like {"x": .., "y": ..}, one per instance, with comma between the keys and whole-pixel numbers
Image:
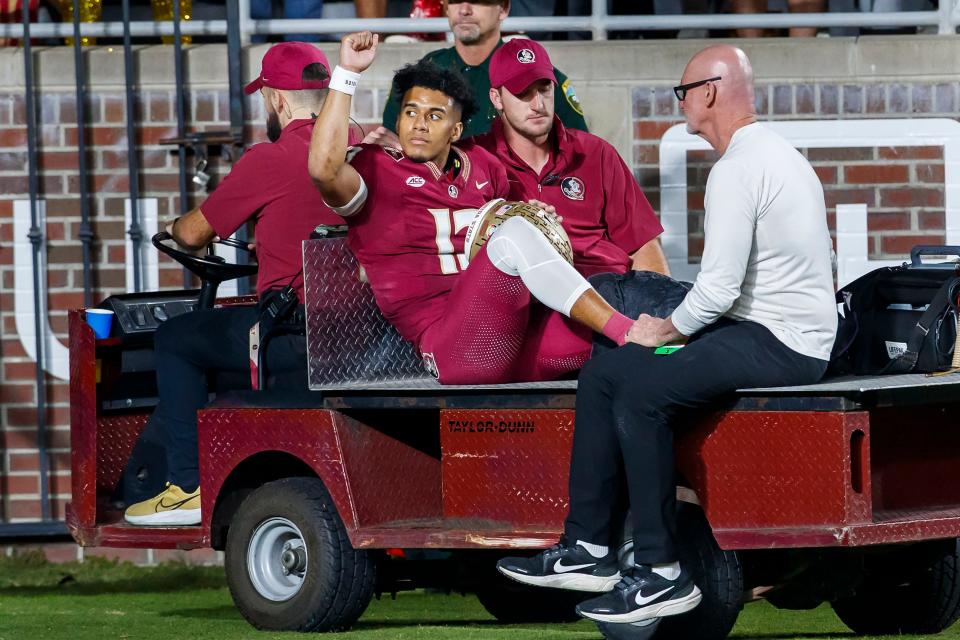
[{"x": 616, "y": 328}]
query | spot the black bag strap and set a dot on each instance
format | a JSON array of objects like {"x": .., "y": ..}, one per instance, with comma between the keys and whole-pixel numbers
[{"x": 905, "y": 362}]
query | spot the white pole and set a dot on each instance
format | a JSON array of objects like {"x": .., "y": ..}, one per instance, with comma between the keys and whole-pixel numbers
[
  {"x": 945, "y": 25},
  {"x": 598, "y": 22},
  {"x": 138, "y": 29},
  {"x": 149, "y": 267},
  {"x": 56, "y": 357},
  {"x": 598, "y": 16},
  {"x": 246, "y": 24}
]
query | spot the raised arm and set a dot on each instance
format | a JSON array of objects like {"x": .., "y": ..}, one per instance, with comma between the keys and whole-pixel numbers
[{"x": 338, "y": 182}]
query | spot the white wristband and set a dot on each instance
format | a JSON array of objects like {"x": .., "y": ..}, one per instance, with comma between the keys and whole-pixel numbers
[{"x": 344, "y": 81}]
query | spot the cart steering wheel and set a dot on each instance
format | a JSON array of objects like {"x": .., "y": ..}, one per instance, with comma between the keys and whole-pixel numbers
[{"x": 211, "y": 269}]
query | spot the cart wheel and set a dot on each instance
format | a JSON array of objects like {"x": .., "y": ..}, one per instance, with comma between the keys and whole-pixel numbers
[
  {"x": 646, "y": 630},
  {"x": 289, "y": 564},
  {"x": 716, "y": 572},
  {"x": 915, "y": 590},
  {"x": 513, "y": 603}
]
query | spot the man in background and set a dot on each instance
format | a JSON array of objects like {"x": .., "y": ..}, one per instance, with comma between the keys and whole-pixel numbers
[
  {"x": 476, "y": 35},
  {"x": 611, "y": 225}
]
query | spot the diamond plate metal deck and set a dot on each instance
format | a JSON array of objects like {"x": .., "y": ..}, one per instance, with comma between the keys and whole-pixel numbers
[
  {"x": 372, "y": 478},
  {"x": 429, "y": 383},
  {"x": 778, "y": 469},
  {"x": 506, "y": 466},
  {"x": 845, "y": 386},
  {"x": 349, "y": 342},
  {"x": 864, "y": 384},
  {"x": 352, "y": 347},
  {"x": 116, "y": 437}
]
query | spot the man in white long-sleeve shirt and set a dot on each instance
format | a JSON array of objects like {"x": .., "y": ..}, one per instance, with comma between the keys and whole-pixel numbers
[{"x": 761, "y": 313}]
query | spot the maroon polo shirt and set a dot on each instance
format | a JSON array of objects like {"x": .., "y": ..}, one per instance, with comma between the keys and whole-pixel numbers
[
  {"x": 604, "y": 210},
  {"x": 270, "y": 185}
]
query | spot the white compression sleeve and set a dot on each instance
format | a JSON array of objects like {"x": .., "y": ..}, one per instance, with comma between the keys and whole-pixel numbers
[{"x": 518, "y": 249}]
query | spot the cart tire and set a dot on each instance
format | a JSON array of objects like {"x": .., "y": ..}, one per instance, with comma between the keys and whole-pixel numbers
[
  {"x": 922, "y": 599},
  {"x": 289, "y": 563},
  {"x": 716, "y": 572},
  {"x": 719, "y": 575},
  {"x": 513, "y": 603}
]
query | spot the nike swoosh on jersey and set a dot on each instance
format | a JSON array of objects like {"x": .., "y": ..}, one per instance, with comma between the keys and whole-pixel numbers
[
  {"x": 481, "y": 185},
  {"x": 559, "y": 567},
  {"x": 641, "y": 600}
]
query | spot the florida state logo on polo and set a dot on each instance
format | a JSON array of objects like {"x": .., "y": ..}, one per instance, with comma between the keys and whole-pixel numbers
[{"x": 572, "y": 187}]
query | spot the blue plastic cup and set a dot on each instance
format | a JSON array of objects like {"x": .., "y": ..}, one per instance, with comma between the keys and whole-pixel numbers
[{"x": 100, "y": 321}]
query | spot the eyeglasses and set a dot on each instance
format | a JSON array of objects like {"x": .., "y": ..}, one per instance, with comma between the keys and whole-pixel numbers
[{"x": 681, "y": 90}]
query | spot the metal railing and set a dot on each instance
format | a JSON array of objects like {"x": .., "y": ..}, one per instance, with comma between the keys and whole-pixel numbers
[
  {"x": 48, "y": 525},
  {"x": 599, "y": 23},
  {"x": 36, "y": 236}
]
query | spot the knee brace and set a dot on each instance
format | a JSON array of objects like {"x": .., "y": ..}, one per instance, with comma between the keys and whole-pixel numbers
[{"x": 517, "y": 248}]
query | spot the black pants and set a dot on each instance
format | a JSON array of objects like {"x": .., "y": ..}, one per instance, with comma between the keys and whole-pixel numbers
[
  {"x": 190, "y": 346},
  {"x": 627, "y": 402}
]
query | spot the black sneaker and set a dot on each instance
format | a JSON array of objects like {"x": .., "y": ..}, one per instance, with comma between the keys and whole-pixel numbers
[
  {"x": 564, "y": 567},
  {"x": 643, "y": 595}
]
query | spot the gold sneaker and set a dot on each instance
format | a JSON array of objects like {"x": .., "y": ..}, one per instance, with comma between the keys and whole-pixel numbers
[{"x": 172, "y": 507}]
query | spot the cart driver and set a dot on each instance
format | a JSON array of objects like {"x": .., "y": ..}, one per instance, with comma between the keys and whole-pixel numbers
[{"x": 270, "y": 187}]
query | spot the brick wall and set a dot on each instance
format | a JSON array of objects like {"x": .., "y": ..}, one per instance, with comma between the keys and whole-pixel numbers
[
  {"x": 108, "y": 185},
  {"x": 902, "y": 187}
]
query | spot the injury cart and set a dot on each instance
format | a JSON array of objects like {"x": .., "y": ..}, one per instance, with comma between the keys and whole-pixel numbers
[{"x": 378, "y": 479}]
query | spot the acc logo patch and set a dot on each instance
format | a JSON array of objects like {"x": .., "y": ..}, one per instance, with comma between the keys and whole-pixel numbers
[
  {"x": 526, "y": 56},
  {"x": 571, "y": 96},
  {"x": 572, "y": 188},
  {"x": 416, "y": 181},
  {"x": 453, "y": 191}
]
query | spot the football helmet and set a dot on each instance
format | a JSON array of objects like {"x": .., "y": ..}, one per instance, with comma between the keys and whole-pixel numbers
[{"x": 496, "y": 212}]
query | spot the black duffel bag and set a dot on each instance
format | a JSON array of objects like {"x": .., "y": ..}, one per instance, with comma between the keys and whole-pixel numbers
[{"x": 899, "y": 319}]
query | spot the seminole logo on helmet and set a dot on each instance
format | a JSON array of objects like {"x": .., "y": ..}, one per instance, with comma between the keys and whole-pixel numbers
[
  {"x": 496, "y": 212},
  {"x": 526, "y": 56}
]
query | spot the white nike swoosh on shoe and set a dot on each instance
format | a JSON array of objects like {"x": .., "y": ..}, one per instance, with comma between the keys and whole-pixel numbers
[
  {"x": 641, "y": 600},
  {"x": 559, "y": 567},
  {"x": 481, "y": 185}
]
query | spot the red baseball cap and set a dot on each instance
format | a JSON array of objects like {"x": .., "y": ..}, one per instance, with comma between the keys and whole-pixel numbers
[
  {"x": 283, "y": 65},
  {"x": 518, "y": 64}
]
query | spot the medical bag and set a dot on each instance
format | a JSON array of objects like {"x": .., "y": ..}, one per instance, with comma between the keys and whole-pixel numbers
[{"x": 900, "y": 319}]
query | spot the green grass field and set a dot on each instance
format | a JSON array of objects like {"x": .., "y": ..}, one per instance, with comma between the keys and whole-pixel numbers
[{"x": 106, "y": 600}]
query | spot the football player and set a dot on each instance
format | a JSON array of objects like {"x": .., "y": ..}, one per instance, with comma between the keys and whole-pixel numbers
[{"x": 408, "y": 210}]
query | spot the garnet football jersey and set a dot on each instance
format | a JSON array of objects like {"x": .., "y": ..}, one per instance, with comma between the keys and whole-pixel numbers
[{"x": 410, "y": 231}]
